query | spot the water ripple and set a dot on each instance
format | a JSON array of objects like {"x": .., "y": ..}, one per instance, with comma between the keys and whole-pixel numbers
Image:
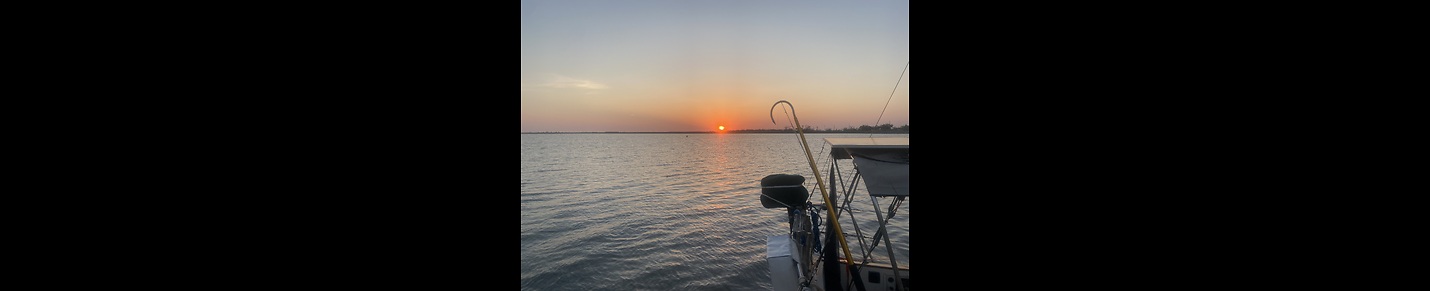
[{"x": 654, "y": 211}]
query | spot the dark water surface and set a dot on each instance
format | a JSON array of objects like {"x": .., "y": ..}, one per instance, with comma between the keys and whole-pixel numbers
[{"x": 658, "y": 211}]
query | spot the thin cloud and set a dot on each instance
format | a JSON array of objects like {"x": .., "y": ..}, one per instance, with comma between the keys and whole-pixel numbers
[{"x": 559, "y": 81}]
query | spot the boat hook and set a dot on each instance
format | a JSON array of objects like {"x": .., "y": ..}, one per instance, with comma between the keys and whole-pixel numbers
[{"x": 834, "y": 216}]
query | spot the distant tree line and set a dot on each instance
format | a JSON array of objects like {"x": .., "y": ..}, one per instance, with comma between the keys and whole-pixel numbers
[{"x": 882, "y": 128}]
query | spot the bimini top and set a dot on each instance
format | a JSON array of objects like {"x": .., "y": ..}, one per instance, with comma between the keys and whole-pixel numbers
[
  {"x": 883, "y": 162},
  {"x": 840, "y": 147}
]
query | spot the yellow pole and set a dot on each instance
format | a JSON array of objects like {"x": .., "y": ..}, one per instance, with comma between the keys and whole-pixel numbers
[{"x": 833, "y": 216}]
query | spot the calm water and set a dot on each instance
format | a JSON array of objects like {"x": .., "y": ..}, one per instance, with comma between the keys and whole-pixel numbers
[{"x": 659, "y": 211}]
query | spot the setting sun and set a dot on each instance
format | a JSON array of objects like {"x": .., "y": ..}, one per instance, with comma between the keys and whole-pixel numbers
[{"x": 722, "y": 127}]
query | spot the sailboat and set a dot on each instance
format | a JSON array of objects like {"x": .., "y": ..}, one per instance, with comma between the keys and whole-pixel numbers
[{"x": 815, "y": 253}]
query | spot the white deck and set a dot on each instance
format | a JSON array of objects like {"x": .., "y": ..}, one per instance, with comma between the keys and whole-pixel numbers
[{"x": 783, "y": 272}]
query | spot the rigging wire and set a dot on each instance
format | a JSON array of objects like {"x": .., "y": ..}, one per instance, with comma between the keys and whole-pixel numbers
[
  {"x": 891, "y": 97},
  {"x": 796, "y": 137},
  {"x": 802, "y": 141}
]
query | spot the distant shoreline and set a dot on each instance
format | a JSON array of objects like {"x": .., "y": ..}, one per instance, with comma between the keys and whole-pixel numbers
[{"x": 703, "y": 132}]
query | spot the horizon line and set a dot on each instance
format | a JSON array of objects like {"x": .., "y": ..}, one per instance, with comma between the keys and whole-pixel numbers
[{"x": 733, "y": 131}]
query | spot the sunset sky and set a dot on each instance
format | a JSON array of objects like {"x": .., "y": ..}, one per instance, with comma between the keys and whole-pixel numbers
[{"x": 695, "y": 65}]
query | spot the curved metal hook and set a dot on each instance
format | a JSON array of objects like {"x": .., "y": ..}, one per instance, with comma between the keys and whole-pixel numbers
[
  {"x": 777, "y": 103},
  {"x": 819, "y": 181}
]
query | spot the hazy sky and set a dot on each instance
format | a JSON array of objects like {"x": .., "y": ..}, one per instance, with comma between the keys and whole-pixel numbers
[{"x": 693, "y": 65}]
